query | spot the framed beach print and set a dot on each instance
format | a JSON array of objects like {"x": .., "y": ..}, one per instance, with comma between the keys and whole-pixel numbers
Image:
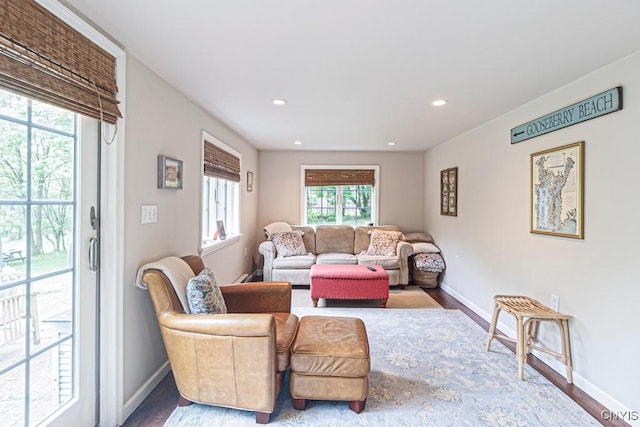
[
  {"x": 557, "y": 191},
  {"x": 449, "y": 192},
  {"x": 169, "y": 173}
]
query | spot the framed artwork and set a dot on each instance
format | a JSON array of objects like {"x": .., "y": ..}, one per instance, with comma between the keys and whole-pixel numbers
[
  {"x": 221, "y": 233},
  {"x": 449, "y": 192},
  {"x": 169, "y": 173},
  {"x": 249, "y": 181},
  {"x": 557, "y": 191}
]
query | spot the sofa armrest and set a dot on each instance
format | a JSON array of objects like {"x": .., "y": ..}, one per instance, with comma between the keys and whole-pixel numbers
[
  {"x": 404, "y": 250},
  {"x": 258, "y": 297},
  {"x": 268, "y": 251},
  {"x": 241, "y": 325}
]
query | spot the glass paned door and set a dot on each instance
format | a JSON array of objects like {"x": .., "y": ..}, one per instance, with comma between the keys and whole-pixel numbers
[{"x": 39, "y": 271}]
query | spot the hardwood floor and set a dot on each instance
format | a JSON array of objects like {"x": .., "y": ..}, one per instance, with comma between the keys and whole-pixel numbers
[{"x": 157, "y": 407}]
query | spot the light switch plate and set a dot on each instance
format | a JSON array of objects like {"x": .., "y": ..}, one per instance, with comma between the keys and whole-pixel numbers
[{"x": 149, "y": 214}]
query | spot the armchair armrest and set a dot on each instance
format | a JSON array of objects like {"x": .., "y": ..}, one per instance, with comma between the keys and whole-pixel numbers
[
  {"x": 240, "y": 325},
  {"x": 258, "y": 297}
]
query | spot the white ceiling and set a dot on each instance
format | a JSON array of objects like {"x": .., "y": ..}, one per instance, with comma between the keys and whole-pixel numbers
[{"x": 358, "y": 74}]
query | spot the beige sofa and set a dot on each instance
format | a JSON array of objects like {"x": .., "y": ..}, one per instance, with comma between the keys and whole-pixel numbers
[{"x": 334, "y": 244}]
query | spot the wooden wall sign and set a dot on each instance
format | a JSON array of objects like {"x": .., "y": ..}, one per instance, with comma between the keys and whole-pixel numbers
[{"x": 590, "y": 108}]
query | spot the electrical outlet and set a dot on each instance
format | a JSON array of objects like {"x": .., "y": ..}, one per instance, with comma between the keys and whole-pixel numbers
[{"x": 555, "y": 302}]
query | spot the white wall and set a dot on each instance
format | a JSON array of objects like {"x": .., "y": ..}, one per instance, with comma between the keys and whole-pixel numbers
[
  {"x": 162, "y": 121},
  {"x": 401, "y": 178},
  {"x": 489, "y": 250}
]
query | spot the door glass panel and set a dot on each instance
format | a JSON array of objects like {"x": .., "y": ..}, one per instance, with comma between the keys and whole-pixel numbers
[
  {"x": 13, "y": 163},
  {"x": 13, "y": 396},
  {"x": 14, "y": 324},
  {"x": 50, "y": 381},
  {"x": 13, "y": 244},
  {"x": 13, "y": 105},
  {"x": 52, "y": 238},
  {"x": 51, "y": 166},
  {"x": 52, "y": 117},
  {"x": 51, "y": 310}
]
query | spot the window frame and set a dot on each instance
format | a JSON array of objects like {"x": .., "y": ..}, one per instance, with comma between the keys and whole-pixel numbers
[
  {"x": 232, "y": 228},
  {"x": 375, "y": 189}
]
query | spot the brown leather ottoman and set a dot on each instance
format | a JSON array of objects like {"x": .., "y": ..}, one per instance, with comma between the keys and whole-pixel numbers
[{"x": 330, "y": 361}]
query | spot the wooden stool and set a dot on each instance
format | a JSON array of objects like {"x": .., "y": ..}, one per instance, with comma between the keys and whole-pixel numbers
[{"x": 529, "y": 313}]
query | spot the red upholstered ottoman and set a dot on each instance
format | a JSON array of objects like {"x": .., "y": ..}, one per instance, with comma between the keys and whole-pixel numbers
[{"x": 349, "y": 282}]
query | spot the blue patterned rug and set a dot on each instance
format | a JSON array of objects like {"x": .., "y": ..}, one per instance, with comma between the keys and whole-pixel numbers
[{"x": 429, "y": 367}]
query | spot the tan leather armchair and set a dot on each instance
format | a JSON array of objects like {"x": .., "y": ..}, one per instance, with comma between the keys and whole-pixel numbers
[{"x": 236, "y": 360}]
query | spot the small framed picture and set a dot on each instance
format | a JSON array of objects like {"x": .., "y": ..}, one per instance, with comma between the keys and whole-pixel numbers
[
  {"x": 169, "y": 173},
  {"x": 221, "y": 233},
  {"x": 249, "y": 181},
  {"x": 449, "y": 192}
]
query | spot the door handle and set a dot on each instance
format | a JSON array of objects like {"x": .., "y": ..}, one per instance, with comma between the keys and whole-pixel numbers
[{"x": 93, "y": 254}]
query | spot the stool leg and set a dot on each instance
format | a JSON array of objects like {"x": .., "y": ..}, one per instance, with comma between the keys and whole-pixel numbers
[
  {"x": 520, "y": 347},
  {"x": 315, "y": 301},
  {"x": 492, "y": 327},
  {"x": 566, "y": 349}
]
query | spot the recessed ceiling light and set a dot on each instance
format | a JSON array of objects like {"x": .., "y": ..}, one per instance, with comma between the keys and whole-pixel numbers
[
  {"x": 391, "y": 143},
  {"x": 297, "y": 142},
  {"x": 279, "y": 101},
  {"x": 439, "y": 102}
]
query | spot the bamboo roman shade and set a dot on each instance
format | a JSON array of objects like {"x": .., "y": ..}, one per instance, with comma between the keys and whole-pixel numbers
[
  {"x": 316, "y": 177},
  {"x": 43, "y": 58},
  {"x": 219, "y": 163}
]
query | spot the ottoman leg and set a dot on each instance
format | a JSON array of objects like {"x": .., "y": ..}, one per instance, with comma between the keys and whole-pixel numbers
[
  {"x": 300, "y": 404},
  {"x": 383, "y": 302},
  {"x": 357, "y": 406},
  {"x": 315, "y": 301}
]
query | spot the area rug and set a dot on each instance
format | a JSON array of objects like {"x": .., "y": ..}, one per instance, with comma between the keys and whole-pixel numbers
[
  {"x": 429, "y": 367},
  {"x": 409, "y": 297}
]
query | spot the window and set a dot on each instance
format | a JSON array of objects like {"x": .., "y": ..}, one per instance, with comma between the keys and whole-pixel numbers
[
  {"x": 339, "y": 195},
  {"x": 220, "y": 193}
]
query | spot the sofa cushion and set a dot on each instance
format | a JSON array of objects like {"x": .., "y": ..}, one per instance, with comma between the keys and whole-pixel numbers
[
  {"x": 336, "y": 258},
  {"x": 295, "y": 262},
  {"x": 204, "y": 295},
  {"x": 334, "y": 238},
  {"x": 276, "y": 227},
  {"x": 309, "y": 237},
  {"x": 386, "y": 262},
  {"x": 383, "y": 242},
  {"x": 289, "y": 243},
  {"x": 363, "y": 236}
]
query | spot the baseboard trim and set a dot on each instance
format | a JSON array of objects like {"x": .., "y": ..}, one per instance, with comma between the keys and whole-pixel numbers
[
  {"x": 613, "y": 404},
  {"x": 146, "y": 388},
  {"x": 253, "y": 275}
]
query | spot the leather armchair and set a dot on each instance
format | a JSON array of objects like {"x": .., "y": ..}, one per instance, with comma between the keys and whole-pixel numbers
[{"x": 236, "y": 360}]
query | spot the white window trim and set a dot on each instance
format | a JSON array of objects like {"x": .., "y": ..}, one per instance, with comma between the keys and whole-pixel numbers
[
  {"x": 212, "y": 247},
  {"x": 375, "y": 200}
]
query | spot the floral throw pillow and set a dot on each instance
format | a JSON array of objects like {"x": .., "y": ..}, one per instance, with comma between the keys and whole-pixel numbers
[
  {"x": 383, "y": 243},
  {"x": 289, "y": 243},
  {"x": 204, "y": 295}
]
